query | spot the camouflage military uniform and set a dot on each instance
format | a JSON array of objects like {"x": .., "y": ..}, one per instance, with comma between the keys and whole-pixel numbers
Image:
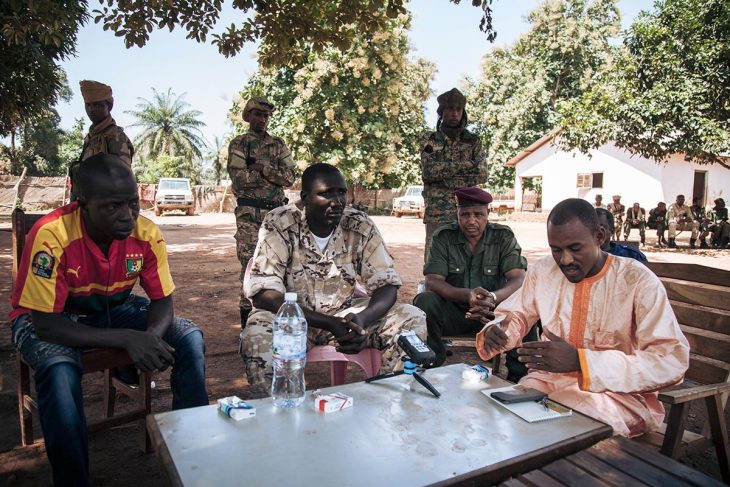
[
  {"x": 107, "y": 137},
  {"x": 617, "y": 210},
  {"x": 257, "y": 192},
  {"x": 447, "y": 165},
  {"x": 288, "y": 259}
]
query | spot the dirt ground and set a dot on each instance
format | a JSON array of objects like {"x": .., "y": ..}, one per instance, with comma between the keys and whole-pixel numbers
[{"x": 205, "y": 270}]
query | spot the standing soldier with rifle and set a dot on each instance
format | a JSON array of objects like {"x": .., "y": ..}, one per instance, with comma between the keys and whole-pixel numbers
[{"x": 260, "y": 167}]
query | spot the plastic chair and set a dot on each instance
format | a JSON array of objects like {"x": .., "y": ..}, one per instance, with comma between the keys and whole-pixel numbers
[{"x": 368, "y": 360}]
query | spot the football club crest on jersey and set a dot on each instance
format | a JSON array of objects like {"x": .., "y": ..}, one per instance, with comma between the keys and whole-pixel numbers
[
  {"x": 42, "y": 264},
  {"x": 134, "y": 266}
]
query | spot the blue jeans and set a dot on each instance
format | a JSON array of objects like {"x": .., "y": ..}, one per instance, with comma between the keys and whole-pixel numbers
[{"x": 57, "y": 375}]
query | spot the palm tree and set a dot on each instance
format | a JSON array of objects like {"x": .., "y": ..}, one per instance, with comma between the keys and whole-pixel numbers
[
  {"x": 217, "y": 157},
  {"x": 170, "y": 127}
]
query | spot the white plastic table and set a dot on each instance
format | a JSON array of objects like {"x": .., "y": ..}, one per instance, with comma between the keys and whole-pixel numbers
[{"x": 396, "y": 433}]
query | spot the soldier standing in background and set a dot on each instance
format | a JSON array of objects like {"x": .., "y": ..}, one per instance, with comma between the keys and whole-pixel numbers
[
  {"x": 451, "y": 158},
  {"x": 260, "y": 167},
  {"x": 617, "y": 210},
  {"x": 105, "y": 136}
]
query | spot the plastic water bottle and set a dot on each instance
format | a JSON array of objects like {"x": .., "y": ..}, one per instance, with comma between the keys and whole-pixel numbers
[{"x": 290, "y": 354}]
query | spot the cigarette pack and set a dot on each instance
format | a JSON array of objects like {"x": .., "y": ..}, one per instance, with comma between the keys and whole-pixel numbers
[
  {"x": 234, "y": 407},
  {"x": 477, "y": 373},
  {"x": 328, "y": 403}
]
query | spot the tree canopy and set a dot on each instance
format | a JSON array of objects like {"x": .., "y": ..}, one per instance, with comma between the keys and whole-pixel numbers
[
  {"x": 34, "y": 37},
  {"x": 514, "y": 101},
  {"x": 669, "y": 92},
  {"x": 360, "y": 109}
]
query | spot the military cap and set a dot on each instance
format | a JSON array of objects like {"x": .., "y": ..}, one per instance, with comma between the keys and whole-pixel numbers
[
  {"x": 472, "y": 196},
  {"x": 257, "y": 103},
  {"x": 452, "y": 98},
  {"x": 616, "y": 196},
  {"x": 93, "y": 91}
]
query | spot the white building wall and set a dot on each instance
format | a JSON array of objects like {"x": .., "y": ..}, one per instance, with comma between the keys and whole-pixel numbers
[{"x": 635, "y": 178}]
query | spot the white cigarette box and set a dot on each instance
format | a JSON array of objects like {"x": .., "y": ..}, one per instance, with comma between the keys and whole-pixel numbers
[
  {"x": 328, "y": 403},
  {"x": 234, "y": 407}
]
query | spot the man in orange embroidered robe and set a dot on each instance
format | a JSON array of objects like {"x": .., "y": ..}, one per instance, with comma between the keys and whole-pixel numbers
[{"x": 610, "y": 338}]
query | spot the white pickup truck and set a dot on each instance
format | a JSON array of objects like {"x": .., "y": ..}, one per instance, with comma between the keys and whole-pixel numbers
[
  {"x": 410, "y": 203},
  {"x": 174, "y": 194}
]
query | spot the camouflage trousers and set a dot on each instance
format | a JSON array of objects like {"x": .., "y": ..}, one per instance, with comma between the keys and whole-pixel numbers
[
  {"x": 694, "y": 226},
  {"x": 248, "y": 223},
  {"x": 256, "y": 338}
]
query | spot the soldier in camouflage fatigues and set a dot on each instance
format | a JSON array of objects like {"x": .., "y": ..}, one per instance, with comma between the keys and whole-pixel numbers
[
  {"x": 289, "y": 259},
  {"x": 451, "y": 158},
  {"x": 260, "y": 167},
  {"x": 105, "y": 136}
]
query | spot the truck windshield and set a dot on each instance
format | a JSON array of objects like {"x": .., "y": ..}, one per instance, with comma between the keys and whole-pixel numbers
[
  {"x": 174, "y": 185},
  {"x": 414, "y": 191}
]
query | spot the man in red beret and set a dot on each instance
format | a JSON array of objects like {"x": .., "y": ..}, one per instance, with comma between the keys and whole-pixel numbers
[{"x": 473, "y": 265}]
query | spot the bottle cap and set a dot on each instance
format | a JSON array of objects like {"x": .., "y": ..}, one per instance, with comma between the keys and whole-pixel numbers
[{"x": 290, "y": 297}]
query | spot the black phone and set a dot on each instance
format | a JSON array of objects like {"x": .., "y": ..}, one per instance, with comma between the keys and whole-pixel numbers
[{"x": 521, "y": 394}]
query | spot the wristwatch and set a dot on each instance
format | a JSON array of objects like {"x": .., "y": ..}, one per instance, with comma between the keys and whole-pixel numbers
[{"x": 494, "y": 296}]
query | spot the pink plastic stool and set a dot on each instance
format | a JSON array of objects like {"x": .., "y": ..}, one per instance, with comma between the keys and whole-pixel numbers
[{"x": 368, "y": 360}]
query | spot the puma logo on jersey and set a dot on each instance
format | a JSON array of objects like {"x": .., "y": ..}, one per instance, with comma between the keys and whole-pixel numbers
[{"x": 73, "y": 271}]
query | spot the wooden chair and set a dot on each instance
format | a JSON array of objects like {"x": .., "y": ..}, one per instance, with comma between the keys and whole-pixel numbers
[
  {"x": 92, "y": 360},
  {"x": 700, "y": 298}
]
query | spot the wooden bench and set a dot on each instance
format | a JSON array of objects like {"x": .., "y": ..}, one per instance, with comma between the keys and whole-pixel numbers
[
  {"x": 700, "y": 298},
  {"x": 614, "y": 462}
]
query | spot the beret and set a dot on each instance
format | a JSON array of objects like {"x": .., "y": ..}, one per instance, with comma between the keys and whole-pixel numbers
[
  {"x": 93, "y": 91},
  {"x": 472, "y": 196},
  {"x": 257, "y": 103}
]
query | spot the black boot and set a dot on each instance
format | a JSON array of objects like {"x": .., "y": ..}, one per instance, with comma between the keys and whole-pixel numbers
[
  {"x": 672, "y": 244},
  {"x": 703, "y": 244},
  {"x": 692, "y": 243}
]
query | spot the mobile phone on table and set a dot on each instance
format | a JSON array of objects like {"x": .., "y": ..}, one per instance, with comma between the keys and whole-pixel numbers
[{"x": 519, "y": 394}]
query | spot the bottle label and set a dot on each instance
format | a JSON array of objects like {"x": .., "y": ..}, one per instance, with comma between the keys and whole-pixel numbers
[{"x": 289, "y": 347}]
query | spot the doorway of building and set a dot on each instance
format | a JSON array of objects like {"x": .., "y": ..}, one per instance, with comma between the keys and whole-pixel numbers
[{"x": 699, "y": 186}]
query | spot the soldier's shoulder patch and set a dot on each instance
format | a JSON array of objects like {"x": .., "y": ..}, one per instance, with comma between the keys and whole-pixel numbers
[
  {"x": 42, "y": 264},
  {"x": 500, "y": 228},
  {"x": 446, "y": 228}
]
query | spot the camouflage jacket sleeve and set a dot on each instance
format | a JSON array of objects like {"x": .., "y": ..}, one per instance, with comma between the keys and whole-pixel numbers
[
  {"x": 480, "y": 164},
  {"x": 281, "y": 170},
  {"x": 376, "y": 265},
  {"x": 270, "y": 260}
]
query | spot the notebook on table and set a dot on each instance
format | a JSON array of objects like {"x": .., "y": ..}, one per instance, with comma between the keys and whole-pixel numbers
[{"x": 531, "y": 411}]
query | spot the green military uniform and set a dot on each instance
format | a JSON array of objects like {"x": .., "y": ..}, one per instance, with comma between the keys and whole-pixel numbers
[
  {"x": 256, "y": 192},
  {"x": 719, "y": 227},
  {"x": 450, "y": 159},
  {"x": 638, "y": 216},
  {"x": 496, "y": 254},
  {"x": 288, "y": 259}
]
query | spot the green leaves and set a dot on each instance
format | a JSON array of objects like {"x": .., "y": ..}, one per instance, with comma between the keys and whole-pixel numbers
[
  {"x": 360, "y": 109},
  {"x": 669, "y": 92}
]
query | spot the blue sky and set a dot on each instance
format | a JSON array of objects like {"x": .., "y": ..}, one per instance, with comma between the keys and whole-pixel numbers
[{"x": 444, "y": 33}]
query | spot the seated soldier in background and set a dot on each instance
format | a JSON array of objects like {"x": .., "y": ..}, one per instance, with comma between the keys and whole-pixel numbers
[
  {"x": 618, "y": 210},
  {"x": 605, "y": 220},
  {"x": 318, "y": 249},
  {"x": 73, "y": 291},
  {"x": 473, "y": 265},
  {"x": 680, "y": 217},
  {"x": 610, "y": 337},
  {"x": 658, "y": 221},
  {"x": 599, "y": 202},
  {"x": 720, "y": 228},
  {"x": 635, "y": 218}
]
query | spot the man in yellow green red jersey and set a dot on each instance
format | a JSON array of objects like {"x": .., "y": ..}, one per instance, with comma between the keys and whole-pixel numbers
[{"x": 73, "y": 291}]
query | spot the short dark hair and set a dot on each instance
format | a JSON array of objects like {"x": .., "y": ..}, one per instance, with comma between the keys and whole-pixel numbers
[
  {"x": 604, "y": 213},
  {"x": 315, "y": 171},
  {"x": 571, "y": 208},
  {"x": 96, "y": 167}
]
